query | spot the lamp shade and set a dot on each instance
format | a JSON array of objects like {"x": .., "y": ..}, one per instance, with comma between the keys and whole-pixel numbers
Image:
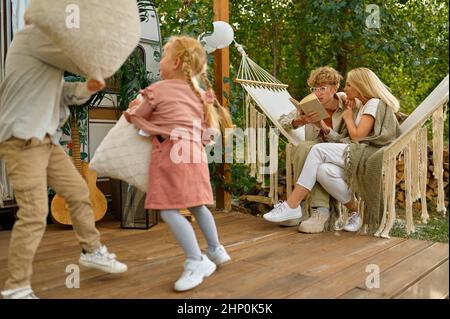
[{"x": 220, "y": 38}]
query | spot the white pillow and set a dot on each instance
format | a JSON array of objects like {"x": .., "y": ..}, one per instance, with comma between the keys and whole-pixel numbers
[
  {"x": 107, "y": 34},
  {"x": 124, "y": 154}
]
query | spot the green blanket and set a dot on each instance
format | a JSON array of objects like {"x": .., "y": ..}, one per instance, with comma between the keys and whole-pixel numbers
[{"x": 364, "y": 162}]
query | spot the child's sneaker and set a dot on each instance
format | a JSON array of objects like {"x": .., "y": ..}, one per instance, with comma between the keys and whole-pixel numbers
[
  {"x": 19, "y": 293},
  {"x": 354, "y": 223},
  {"x": 101, "y": 259},
  {"x": 219, "y": 255},
  {"x": 194, "y": 272}
]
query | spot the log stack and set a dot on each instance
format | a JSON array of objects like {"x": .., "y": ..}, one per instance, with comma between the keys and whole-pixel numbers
[{"x": 432, "y": 183}]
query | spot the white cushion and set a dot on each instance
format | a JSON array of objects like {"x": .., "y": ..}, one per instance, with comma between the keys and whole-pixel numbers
[
  {"x": 108, "y": 31},
  {"x": 124, "y": 154}
]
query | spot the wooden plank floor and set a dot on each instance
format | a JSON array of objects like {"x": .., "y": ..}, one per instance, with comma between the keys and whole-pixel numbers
[{"x": 268, "y": 261}]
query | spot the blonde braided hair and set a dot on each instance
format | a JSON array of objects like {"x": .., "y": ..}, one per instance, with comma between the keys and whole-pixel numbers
[
  {"x": 194, "y": 62},
  {"x": 224, "y": 115}
]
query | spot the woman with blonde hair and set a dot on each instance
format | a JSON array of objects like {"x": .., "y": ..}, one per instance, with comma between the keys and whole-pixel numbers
[
  {"x": 167, "y": 108},
  {"x": 354, "y": 164}
]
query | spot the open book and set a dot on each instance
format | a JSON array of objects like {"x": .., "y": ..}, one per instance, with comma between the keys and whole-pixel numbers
[{"x": 309, "y": 104}]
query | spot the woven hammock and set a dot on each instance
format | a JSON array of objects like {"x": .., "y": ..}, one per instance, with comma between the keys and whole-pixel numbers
[{"x": 272, "y": 98}]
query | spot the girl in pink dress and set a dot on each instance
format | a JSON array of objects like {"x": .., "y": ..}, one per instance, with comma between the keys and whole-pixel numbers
[{"x": 175, "y": 111}]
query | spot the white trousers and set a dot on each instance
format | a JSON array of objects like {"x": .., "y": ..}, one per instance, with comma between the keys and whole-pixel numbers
[{"x": 325, "y": 164}]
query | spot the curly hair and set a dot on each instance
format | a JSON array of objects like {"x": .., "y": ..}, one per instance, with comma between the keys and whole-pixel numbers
[{"x": 323, "y": 76}]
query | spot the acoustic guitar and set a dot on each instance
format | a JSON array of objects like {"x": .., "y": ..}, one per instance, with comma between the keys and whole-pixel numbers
[{"x": 59, "y": 208}]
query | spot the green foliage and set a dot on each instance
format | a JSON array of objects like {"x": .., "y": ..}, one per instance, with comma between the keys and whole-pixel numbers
[
  {"x": 290, "y": 38},
  {"x": 409, "y": 51},
  {"x": 187, "y": 17},
  {"x": 81, "y": 113},
  {"x": 436, "y": 230},
  {"x": 242, "y": 183},
  {"x": 132, "y": 77}
]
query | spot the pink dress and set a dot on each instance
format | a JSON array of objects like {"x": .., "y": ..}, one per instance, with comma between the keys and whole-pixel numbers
[{"x": 178, "y": 172}]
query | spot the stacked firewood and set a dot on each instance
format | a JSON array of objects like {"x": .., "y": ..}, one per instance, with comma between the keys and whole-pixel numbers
[{"x": 432, "y": 183}]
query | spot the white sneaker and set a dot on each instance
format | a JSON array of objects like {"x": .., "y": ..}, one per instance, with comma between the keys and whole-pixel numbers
[
  {"x": 19, "y": 293},
  {"x": 282, "y": 212},
  {"x": 194, "y": 272},
  {"x": 290, "y": 222},
  {"x": 353, "y": 223},
  {"x": 219, "y": 255},
  {"x": 314, "y": 224},
  {"x": 101, "y": 259}
]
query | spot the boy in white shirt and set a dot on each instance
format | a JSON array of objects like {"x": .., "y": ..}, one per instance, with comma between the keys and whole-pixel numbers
[{"x": 33, "y": 106}]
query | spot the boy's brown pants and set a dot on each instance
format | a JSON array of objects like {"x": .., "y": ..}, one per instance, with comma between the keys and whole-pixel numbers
[{"x": 30, "y": 164}]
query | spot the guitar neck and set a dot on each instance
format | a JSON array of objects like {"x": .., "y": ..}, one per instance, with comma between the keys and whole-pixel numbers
[{"x": 76, "y": 146}]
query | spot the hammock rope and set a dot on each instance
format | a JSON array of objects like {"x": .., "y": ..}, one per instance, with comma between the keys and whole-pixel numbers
[{"x": 262, "y": 89}]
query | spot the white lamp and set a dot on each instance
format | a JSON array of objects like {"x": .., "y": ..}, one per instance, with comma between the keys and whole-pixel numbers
[{"x": 220, "y": 38}]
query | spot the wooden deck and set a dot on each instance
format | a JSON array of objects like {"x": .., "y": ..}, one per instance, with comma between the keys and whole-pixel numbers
[{"x": 268, "y": 261}]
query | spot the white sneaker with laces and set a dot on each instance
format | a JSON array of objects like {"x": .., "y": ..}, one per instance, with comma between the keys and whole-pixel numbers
[
  {"x": 282, "y": 212},
  {"x": 194, "y": 272},
  {"x": 219, "y": 256},
  {"x": 354, "y": 223},
  {"x": 103, "y": 260},
  {"x": 19, "y": 293},
  {"x": 293, "y": 222}
]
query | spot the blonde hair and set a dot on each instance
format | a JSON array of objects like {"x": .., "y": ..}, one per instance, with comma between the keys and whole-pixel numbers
[
  {"x": 324, "y": 75},
  {"x": 370, "y": 86},
  {"x": 194, "y": 63}
]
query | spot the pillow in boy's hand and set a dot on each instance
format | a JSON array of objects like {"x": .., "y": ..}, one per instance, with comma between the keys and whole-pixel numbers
[
  {"x": 97, "y": 35},
  {"x": 124, "y": 154}
]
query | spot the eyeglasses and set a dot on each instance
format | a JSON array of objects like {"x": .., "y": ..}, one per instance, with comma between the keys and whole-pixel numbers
[{"x": 321, "y": 89}]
